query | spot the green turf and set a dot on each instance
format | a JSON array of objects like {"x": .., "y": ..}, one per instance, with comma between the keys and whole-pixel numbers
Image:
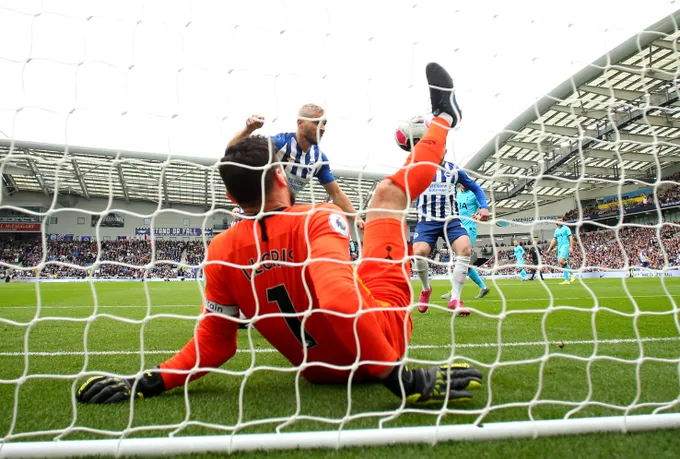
[{"x": 548, "y": 331}]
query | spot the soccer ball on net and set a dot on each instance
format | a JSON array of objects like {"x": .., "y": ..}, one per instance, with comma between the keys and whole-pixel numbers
[{"x": 409, "y": 132}]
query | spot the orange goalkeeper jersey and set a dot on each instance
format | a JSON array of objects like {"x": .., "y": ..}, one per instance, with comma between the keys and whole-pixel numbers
[{"x": 296, "y": 261}]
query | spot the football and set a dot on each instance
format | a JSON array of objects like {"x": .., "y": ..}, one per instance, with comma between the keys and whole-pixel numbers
[{"x": 409, "y": 132}]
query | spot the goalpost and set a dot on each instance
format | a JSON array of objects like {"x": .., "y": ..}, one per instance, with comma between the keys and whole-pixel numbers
[{"x": 24, "y": 161}]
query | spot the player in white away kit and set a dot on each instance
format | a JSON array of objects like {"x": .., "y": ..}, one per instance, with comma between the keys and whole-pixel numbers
[
  {"x": 468, "y": 209},
  {"x": 565, "y": 245},
  {"x": 302, "y": 155},
  {"x": 438, "y": 217}
]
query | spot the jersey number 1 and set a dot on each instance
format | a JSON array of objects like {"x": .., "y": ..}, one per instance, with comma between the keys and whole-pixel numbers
[{"x": 280, "y": 296}]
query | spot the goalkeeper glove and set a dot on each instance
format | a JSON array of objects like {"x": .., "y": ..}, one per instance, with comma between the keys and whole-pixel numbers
[
  {"x": 430, "y": 386},
  {"x": 111, "y": 389}
]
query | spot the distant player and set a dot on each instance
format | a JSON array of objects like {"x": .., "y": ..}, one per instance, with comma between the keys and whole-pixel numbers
[
  {"x": 237, "y": 215},
  {"x": 468, "y": 209},
  {"x": 535, "y": 261},
  {"x": 565, "y": 246},
  {"x": 519, "y": 260},
  {"x": 644, "y": 262},
  {"x": 302, "y": 155},
  {"x": 439, "y": 218},
  {"x": 295, "y": 261}
]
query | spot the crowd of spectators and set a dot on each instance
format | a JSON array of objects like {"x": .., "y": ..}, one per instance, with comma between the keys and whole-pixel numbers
[
  {"x": 606, "y": 250},
  {"x": 11, "y": 251},
  {"x": 609, "y": 249},
  {"x": 667, "y": 195},
  {"x": 439, "y": 262},
  {"x": 126, "y": 259}
]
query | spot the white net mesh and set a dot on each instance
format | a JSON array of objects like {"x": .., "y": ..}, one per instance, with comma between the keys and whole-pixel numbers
[{"x": 180, "y": 79}]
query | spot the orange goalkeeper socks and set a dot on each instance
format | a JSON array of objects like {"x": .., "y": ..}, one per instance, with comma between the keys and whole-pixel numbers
[{"x": 421, "y": 166}]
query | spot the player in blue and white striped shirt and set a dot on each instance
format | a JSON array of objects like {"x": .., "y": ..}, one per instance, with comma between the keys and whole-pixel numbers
[
  {"x": 302, "y": 156},
  {"x": 438, "y": 217},
  {"x": 468, "y": 208}
]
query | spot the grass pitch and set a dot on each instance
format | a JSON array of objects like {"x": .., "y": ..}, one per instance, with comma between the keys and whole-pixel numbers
[{"x": 564, "y": 349}]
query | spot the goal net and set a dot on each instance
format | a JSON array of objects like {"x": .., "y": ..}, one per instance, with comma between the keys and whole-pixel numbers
[{"x": 113, "y": 118}]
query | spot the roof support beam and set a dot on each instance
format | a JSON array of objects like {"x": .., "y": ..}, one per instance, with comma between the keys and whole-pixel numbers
[
  {"x": 542, "y": 147},
  {"x": 646, "y": 139},
  {"x": 38, "y": 177},
  {"x": 166, "y": 195},
  {"x": 668, "y": 158},
  {"x": 349, "y": 186},
  {"x": 532, "y": 197},
  {"x": 16, "y": 170},
  {"x": 629, "y": 156},
  {"x": 207, "y": 188},
  {"x": 502, "y": 179},
  {"x": 645, "y": 72},
  {"x": 595, "y": 170},
  {"x": 365, "y": 200},
  {"x": 663, "y": 121},
  {"x": 666, "y": 44},
  {"x": 555, "y": 183},
  {"x": 561, "y": 130},
  {"x": 622, "y": 94},
  {"x": 123, "y": 184},
  {"x": 521, "y": 163},
  {"x": 588, "y": 113},
  {"x": 80, "y": 178},
  {"x": 9, "y": 186},
  {"x": 652, "y": 120}
]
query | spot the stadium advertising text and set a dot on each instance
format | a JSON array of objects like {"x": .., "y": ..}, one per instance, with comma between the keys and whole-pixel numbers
[
  {"x": 630, "y": 198},
  {"x": 28, "y": 227},
  {"x": 532, "y": 219},
  {"x": 523, "y": 221},
  {"x": 14, "y": 216},
  {"x": 191, "y": 232},
  {"x": 614, "y": 212},
  {"x": 110, "y": 220},
  {"x": 59, "y": 237}
]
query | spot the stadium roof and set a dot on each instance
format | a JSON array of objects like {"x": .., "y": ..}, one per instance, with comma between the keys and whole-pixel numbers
[
  {"x": 136, "y": 176},
  {"x": 611, "y": 121}
]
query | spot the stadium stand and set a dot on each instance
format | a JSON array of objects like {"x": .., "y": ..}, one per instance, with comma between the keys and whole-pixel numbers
[
  {"x": 603, "y": 252},
  {"x": 131, "y": 259},
  {"x": 668, "y": 196}
]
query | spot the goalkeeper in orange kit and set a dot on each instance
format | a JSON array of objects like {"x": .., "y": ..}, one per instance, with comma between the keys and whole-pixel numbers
[{"x": 290, "y": 272}]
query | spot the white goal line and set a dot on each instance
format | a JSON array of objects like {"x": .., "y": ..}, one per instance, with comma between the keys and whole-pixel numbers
[
  {"x": 197, "y": 305},
  {"x": 410, "y": 348}
]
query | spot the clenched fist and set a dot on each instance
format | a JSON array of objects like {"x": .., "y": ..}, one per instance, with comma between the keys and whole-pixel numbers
[{"x": 254, "y": 122}]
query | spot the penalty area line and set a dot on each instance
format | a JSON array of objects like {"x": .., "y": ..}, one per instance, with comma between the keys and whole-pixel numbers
[{"x": 414, "y": 347}]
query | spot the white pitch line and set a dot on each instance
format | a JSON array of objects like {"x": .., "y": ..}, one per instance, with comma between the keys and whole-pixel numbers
[
  {"x": 197, "y": 305},
  {"x": 412, "y": 347}
]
